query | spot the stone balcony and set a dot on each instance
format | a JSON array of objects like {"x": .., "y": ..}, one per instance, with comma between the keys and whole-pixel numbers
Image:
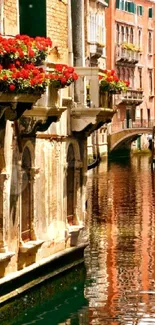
[
  {"x": 88, "y": 113},
  {"x": 125, "y": 55},
  {"x": 131, "y": 97}
]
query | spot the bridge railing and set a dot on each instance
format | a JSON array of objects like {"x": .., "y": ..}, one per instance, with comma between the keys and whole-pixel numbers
[{"x": 129, "y": 124}]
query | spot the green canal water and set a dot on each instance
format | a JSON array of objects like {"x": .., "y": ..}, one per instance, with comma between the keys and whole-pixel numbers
[{"x": 117, "y": 284}]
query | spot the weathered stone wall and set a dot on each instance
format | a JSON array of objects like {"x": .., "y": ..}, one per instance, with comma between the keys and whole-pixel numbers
[
  {"x": 57, "y": 26},
  {"x": 10, "y": 17}
]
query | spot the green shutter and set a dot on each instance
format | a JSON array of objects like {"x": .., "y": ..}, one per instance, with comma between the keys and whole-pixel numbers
[
  {"x": 129, "y": 6},
  {"x": 32, "y": 17},
  {"x": 118, "y": 4},
  {"x": 150, "y": 12},
  {"x": 126, "y": 6},
  {"x": 141, "y": 10},
  {"x": 122, "y": 6},
  {"x": 134, "y": 8}
]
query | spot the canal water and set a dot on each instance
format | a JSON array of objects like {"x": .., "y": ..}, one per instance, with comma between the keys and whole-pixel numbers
[{"x": 119, "y": 286}]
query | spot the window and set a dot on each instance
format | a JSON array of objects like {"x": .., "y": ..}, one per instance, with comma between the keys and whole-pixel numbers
[
  {"x": 150, "y": 42},
  {"x": 117, "y": 34},
  {"x": 140, "y": 78},
  {"x": 127, "y": 34},
  {"x": 128, "y": 75},
  {"x": 139, "y": 38},
  {"x": 96, "y": 28},
  {"x": 132, "y": 78},
  {"x": 150, "y": 82},
  {"x": 32, "y": 17},
  {"x": 140, "y": 10},
  {"x": 122, "y": 34},
  {"x": 126, "y": 5},
  {"x": 118, "y": 72},
  {"x": 131, "y": 35},
  {"x": 26, "y": 196},
  {"x": 123, "y": 74},
  {"x": 150, "y": 13}
]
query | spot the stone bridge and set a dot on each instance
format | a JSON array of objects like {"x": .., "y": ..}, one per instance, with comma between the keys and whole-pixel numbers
[{"x": 117, "y": 139}]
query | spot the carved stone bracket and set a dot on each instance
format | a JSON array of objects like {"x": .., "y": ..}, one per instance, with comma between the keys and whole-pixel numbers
[{"x": 30, "y": 126}]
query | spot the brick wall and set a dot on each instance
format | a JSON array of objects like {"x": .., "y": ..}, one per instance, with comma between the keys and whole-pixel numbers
[
  {"x": 10, "y": 14},
  {"x": 57, "y": 26}
]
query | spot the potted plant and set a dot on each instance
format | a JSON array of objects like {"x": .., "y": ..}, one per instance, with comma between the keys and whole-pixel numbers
[
  {"x": 21, "y": 79},
  {"x": 110, "y": 84}
]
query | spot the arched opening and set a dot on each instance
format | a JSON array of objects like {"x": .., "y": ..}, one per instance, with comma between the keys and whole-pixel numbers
[
  {"x": 70, "y": 184},
  {"x": 26, "y": 196}
]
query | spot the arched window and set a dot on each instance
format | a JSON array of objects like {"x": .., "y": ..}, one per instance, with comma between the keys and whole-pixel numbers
[
  {"x": 128, "y": 75},
  {"x": 117, "y": 33},
  {"x": 26, "y": 196},
  {"x": 132, "y": 78},
  {"x": 150, "y": 42},
  {"x": 118, "y": 72},
  {"x": 122, "y": 34},
  {"x": 139, "y": 38},
  {"x": 131, "y": 35},
  {"x": 123, "y": 74},
  {"x": 127, "y": 34},
  {"x": 150, "y": 82}
]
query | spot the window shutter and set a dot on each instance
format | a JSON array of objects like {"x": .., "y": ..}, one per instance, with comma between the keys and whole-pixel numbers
[
  {"x": 126, "y": 6},
  {"x": 122, "y": 5},
  {"x": 150, "y": 12},
  {"x": 32, "y": 17},
  {"x": 118, "y": 4},
  {"x": 129, "y": 6}
]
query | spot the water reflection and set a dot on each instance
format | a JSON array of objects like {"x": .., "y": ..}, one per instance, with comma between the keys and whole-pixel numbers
[
  {"x": 121, "y": 252},
  {"x": 120, "y": 259}
]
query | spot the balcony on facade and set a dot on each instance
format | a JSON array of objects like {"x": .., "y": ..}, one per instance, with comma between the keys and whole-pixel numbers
[
  {"x": 88, "y": 113},
  {"x": 130, "y": 97},
  {"x": 96, "y": 49},
  {"x": 125, "y": 55}
]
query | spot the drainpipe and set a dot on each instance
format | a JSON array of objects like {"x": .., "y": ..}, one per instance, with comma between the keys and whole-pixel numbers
[
  {"x": 77, "y": 10},
  {"x": 77, "y": 13},
  {"x": 70, "y": 40}
]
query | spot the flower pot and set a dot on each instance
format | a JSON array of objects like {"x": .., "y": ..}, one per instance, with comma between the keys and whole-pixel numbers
[
  {"x": 21, "y": 98},
  {"x": 50, "y": 98},
  {"x": 53, "y": 97},
  {"x": 106, "y": 99}
]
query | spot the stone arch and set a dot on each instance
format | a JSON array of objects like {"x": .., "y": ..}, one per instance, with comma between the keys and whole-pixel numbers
[
  {"x": 76, "y": 149},
  {"x": 29, "y": 145}
]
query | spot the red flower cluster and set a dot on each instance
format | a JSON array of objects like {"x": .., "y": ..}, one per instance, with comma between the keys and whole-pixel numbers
[
  {"x": 19, "y": 73},
  {"x": 30, "y": 79},
  {"x": 23, "y": 48},
  {"x": 109, "y": 81}
]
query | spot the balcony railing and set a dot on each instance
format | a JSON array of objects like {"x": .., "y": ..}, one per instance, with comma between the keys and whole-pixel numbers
[
  {"x": 87, "y": 93},
  {"x": 126, "y": 55},
  {"x": 130, "y": 124},
  {"x": 90, "y": 110},
  {"x": 132, "y": 96}
]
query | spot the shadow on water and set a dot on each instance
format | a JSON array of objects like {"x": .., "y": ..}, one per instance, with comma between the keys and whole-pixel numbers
[{"x": 52, "y": 302}]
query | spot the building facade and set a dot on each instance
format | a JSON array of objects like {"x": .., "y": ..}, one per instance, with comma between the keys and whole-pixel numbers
[
  {"x": 130, "y": 27},
  {"x": 43, "y": 151}
]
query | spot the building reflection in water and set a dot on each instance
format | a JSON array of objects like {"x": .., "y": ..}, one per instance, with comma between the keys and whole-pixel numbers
[{"x": 120, "y": 258}]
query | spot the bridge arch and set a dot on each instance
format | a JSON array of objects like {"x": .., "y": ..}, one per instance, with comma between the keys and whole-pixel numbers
[{"x": 117, "y": 139}]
